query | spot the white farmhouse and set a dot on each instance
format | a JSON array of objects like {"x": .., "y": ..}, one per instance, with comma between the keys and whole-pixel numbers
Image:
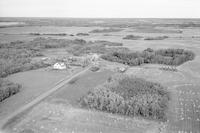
[
  {"x": 59, "y": 66},
  {"x": 94, "y": 57}
]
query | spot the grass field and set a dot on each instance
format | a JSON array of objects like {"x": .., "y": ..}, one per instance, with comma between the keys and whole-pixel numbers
[
  {"x": 33, "y": 83},
  {"x": 60, "y": 112}
]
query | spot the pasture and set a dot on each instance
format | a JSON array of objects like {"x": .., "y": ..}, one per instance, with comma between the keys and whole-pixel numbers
[{"x": 60, "y": 112}]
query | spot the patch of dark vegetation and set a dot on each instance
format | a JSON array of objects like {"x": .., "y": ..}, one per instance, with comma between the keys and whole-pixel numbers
[
  {"x": 17, "y": 60},
  {"x": 107, "y": 35},
  {"x": 162, "y": 56},
  {"x": 82, "y": 34},
  {"x": 35, "y": 34},
  {"x": 107, "y": 30},
  {"x": 156, "y": 38},
  {"x": 132, "y": 37},
  {"x": 94, "y": 68},
  {"x": 48, "y": 34},
  {"x": 152, "y": 29},
  {"x": 130, "y": 96},
  {"x": 8, "y": 89},
  {"x": 47, "y": 43}
]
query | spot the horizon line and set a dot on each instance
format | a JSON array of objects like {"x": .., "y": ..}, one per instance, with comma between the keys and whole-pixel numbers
[{"x": 104, "y": 17}]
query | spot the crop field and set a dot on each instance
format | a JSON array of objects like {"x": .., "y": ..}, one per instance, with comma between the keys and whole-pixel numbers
[{"x": 185, "y": 116}]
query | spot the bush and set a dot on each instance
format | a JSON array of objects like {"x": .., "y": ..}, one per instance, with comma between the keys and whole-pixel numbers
[
  {"x": 163, "y": 56},
  {"x": 94, "y": 68},
  {"x": 132, "y": 37},
  {"x": 8, "y": 89},
  {"x": 156, "y": 38},
  {"x": 82, "y": 34},
  {"x": 129, "y": 96}
]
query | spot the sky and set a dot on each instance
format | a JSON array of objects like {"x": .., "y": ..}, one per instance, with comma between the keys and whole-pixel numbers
[{"x": 101, "y": 8}]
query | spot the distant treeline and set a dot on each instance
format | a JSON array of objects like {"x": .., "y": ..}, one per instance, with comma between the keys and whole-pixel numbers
[
  {"x": 161, "y": 56},
  {"x": 107, "y": 30},
  {"x": 136, "y": 37},
  {"x": 130, "y": 96},
  {"x": 48, "y": 34},
  {"x": 115, "y": 23}
]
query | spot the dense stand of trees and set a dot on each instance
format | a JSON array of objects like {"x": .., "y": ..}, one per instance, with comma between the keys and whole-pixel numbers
[
  {"x": 162, "y": 56},
  {"x": 129, "y": 96},
  {"x": 16, "y": 60},
  {"x": 8, "y": 89}
]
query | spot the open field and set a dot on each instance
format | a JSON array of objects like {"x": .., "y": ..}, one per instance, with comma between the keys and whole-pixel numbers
[
  {"x": 60, "y": 112},
  {"x": 59, "y": 117},
  {"x": 33, "y": 83}
]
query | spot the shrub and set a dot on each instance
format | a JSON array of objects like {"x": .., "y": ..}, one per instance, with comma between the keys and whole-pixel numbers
[
  {"x": 82, "y": 34},
  {"x": 129, "y": 96},
  {"x": 132, "y": 37},
  {"x": 161, "y": 56},
  {"x": 8, "y": 89},
  {"x": 94, "y": 68},
  {"x": 156, "y": 38}
]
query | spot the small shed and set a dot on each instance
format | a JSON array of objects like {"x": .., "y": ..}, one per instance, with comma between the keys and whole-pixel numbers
[{"x": 59, "y": 66}]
